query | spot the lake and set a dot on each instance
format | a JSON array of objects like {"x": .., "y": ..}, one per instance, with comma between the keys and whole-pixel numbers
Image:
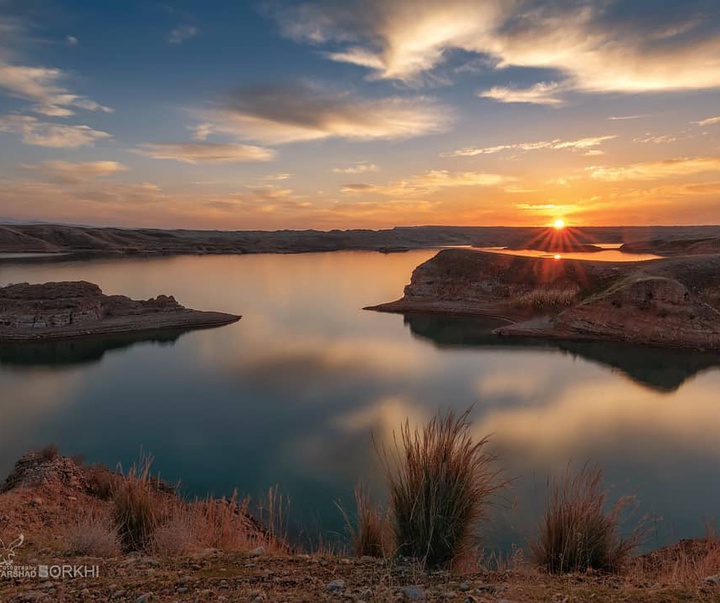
[{"x": 293, "y": 393}]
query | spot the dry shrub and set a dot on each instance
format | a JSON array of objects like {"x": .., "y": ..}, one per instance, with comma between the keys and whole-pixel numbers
[
  {"x": 101, "y": 482},
  {"x": 49, "y": 452},
  {"x": 548, "y": 298},
  {"x": 577, "y": 534},
  {"x": 440, "y": 486},
  {"x": 93, "y": 535},
  {"x": 371, "y": 533},
  {"x": 138, "y": 508},
  {"x": 176, "y": 534}
]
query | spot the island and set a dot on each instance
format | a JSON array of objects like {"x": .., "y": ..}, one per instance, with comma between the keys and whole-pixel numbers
[
  {"x": 668, "y": 302},
  {"x": 67, "y": 310}
]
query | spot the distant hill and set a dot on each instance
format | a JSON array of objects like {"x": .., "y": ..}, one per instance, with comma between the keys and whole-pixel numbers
[{"x": 49, "y": 238}]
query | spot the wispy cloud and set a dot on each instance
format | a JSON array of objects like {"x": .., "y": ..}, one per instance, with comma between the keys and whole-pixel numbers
[
  {"x": 626, "y": 117},
  {"x": 655, "y": 139},
  {"x": 48, "y": 134},
  {"x": 285, "y": 113},
  {"x": 581, "y": 144},
  {"x": 708, "y": 122},
  {"x": 68, "y": 172},
  {"x": 181, "y": 34},
  {"x": 206, "y": 152},
  {"x": 596, "y": 46},
  {"x": 359, "y": 168},
  {"x": 45, "y": 87},
  {"x": 201, "y": 132},
  {"x": 681, "y": 166},
  {"x": 41, "y": 85},
  {"x": 543, "y": 93},
  {"x": 422, "y": 184},
  {"x": 278, "y": 177}
]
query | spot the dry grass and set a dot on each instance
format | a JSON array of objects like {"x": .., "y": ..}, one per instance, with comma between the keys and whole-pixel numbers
[
  {"x": 371, "y": 533},
  {"x": 577, "y": 534},
  {"x": 218, "y": 523},
  {"x": 439, "y": 489},
  {"x": 138, "y": 509},
  {"x": 92, "y": 535},
  {"x": 540, "y": 299},
  {"x": 687, "y": 563},
  {"x": 101, "y": 482}
]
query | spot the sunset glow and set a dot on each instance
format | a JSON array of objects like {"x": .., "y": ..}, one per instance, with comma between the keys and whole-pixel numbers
[
  {"x": 360, "y": 114},
  {"x": 559, "y": 224}
]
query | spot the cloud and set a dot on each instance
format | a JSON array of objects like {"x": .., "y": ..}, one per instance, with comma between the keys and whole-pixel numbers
[
  {"x": 67, "y": 172},
  {"x": 681, "y": 166},
  {"x": 596, "y": 46},
  {"x": 278, "y": 177},
  {"x": 429, "y": 182},
  {"x": 655, "y": 139},
  {"x": 285, "y": 113},
  {"x": 201, "y": 132},
  {"x": 581, "y": 144},
  {"x": 708, "y": 122},
  {"x": 53, "y": 135},
  {"x": 206, "y": 152},
  {"x": 72, "y": 40},
  {"x": 540, "y": 94},
  {"x": 359, "y": 168},
  {"x": 182, "y": 34},
  {"x": 41, "y": 85},
  {"x": 626, "y": 117}
]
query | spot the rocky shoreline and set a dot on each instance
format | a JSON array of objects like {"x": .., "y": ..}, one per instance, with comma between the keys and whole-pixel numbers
[
  {"x": 673, "y": 302},
  {"x": 69, "y": 310}
]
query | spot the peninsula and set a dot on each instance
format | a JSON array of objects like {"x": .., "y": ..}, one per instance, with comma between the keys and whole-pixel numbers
[
  {"x": 669, "y": 302},
  {"x": 67, "y": 310}
]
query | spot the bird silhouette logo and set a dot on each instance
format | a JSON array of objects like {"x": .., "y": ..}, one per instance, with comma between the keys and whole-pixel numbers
[{"x": 7, "y": 551}]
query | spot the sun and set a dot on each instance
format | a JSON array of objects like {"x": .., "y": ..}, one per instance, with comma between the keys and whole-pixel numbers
[{"x": 559, "y": 224}]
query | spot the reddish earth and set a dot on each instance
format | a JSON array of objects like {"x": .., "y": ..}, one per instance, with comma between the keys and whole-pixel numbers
[{"x": 46, "y": 494}]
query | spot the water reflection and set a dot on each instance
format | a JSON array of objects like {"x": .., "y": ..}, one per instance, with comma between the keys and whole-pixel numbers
[
  {"x": 294, "y": 393},
  {"x": 87, "y": 350},
  {"x": 659, "y": 369}
]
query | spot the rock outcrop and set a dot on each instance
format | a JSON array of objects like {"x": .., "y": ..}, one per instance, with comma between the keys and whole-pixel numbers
[
  {"x": 668, "y": 302},
  {"x": 73, "y": 309}
]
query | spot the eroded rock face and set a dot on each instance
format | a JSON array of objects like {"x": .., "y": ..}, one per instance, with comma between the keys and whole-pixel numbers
[
  {"x": 668, "y": 302},
  {"x": 70, "y": 304},
  {"x": 649, "y": 310}
]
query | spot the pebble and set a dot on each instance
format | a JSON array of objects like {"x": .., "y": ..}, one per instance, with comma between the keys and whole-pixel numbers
[
  {"x": 258, "y": 551},
  {"x": 464, "y": 587},
  {"x": 414, "y": 593},
  {"x": 143, "y": 598},
  {"x": 713, "y": 580},
  {"x": 335, "y": 586}
]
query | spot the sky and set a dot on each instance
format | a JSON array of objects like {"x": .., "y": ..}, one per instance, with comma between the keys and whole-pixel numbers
[{"x": 274, "y": 114}]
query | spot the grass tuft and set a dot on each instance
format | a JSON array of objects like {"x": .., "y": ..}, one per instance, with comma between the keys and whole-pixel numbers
[
  {"x": 372, "y": 533},
  {"x": 439, "y": 489},
  {"x": 91, "y": 535},
  {"x": 577, "y": 534},
  {"x": 138, "y": 509}
]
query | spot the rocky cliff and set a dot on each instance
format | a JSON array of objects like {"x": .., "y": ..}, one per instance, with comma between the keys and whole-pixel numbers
[
  {"x": 72, "y": 309},
  {"x": 668, "y": 302}
]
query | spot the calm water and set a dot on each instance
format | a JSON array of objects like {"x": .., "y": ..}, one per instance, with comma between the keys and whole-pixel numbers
[{"x": 291, "y": 394}]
